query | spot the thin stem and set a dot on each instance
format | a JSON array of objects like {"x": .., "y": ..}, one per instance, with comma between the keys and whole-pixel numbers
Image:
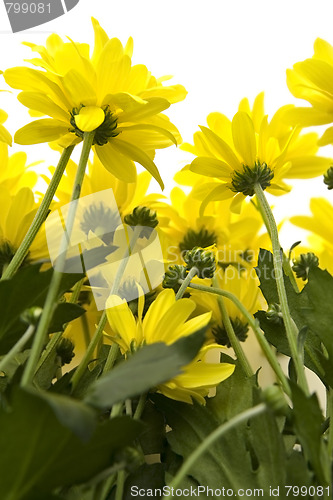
[
  {"x": 141, "y": 405},
  {"x": 51, "y": 299},
  {"x": 53, "y": 342},
  {"x": 232, "y": 336},
  {"x": 210, "y": 440},
  {"x": 256, "y": 329},
  {"x": 40, "y": 216},
  {"x": 120, "y": 485},
  {"x": 278, "y": 269},
  {"x": 112, "y": 356},
  {"x": 185, "y": 283},
  {"x": 17, "y": 348}
]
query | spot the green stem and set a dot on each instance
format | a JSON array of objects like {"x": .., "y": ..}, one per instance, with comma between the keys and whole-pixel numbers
[
  {"x": 17, "y": 348},
  {"x": 185, "y": 283},
  {"x": 40, "y": 216},
  {"x": 256, "y": 329},
  {"x": 112, "y": 356},
  {"x": 291, "y": 332},
  {"x": 51, "y": 299},
  {"x": 232, "y": 336},
  {"x": 210, "y": 440},
  {"x": 141, "y": 405},
  {"x": 330, "y": 430},
  {"x": 120, "y": 485},
  {"x": 53, "y": 342}
]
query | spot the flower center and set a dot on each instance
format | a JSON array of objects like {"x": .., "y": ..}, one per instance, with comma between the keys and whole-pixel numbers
[
  {"x": 106, "y": 130},
  {"x": 240, "y": 330},
  {"x": 101, "y": 221},
  {"x": 202, "y": 238},
  {"x": 244, "y": 182}
]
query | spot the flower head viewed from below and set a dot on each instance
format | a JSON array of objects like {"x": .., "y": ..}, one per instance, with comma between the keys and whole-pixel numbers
[
  {"x": 167, "y": 321},
  {"x": 312, "y": 80},
  {"x": 251, "y": 149},
  {"x": 101, "y": 92}
]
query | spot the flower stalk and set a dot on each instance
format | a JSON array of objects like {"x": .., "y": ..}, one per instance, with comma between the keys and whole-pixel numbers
[
  {"x": 291, "y": 329},
  {"x": 51, "y": 299}
]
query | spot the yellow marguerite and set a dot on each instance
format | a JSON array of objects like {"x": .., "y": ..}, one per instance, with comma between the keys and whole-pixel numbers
[
  {"x": 16, "y": 215},
  {"x": 320, "y": 226},
  {"x": 249, "y": 149},
  {"x": 312, "y": 80},
  {"x": 102, "y": 92},
  {"x": 14, "y": 171},
  {"x": 167, "y": 321}
]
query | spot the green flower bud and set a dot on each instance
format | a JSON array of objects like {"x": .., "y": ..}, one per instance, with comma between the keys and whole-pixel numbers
[
  {"x": 173, "y": 275},
  {"x": 65, "y": 351},
  {"x": 240, "y": 329},
  {"x": 302, "y": 265},
  {"x": 203, "y": 259},
  {"x": 274, "y": 313},
  {"x": 142, "y": 216},
  {"x": 243, "y": 182},
  {"x": 328, "y": 178}
]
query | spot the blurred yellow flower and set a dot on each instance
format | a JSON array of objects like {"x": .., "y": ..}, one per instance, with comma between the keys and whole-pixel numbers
[
  {"x": 237, "y": 236},
  {"x": 14, "y": 171},
  {"x": 312, "y": 80},
  {"x": 102, "y": 92},
  {"x": 16, "y": 215},
  {"x": 5, "y": 136},
  {"x": 244, "y": 286},
  {"x": 236, "y": 154},
  {"x": 167, "y": 321},
  {"x": 320, "y": 226}
]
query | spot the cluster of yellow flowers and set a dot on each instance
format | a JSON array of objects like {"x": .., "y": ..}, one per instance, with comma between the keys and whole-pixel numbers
[{"x": 123, "y": 104}]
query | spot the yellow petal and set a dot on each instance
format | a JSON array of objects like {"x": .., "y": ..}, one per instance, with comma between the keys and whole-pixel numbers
[
  {"x": 244, "y": 137},
  {"x": 3, "y": 116},
  {"x": 43, "y": 104},
  {"x": 138, "y": 155},
  {"x": 220, "y": 148},
  {"x": 169, "y": 323},
  {"x": 45, "y": 130},
  {"x": 121, "y": 319},
  {"x": 89, "y": 118},
  {"x": 326, "y": 138},
  {"x": 211, "y": 167},
  {"x": 118, "y": 164},
  {"x": 5, "y": 136}
]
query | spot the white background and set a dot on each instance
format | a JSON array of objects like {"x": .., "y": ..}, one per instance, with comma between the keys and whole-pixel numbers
[{"x": 220, "y": 51}]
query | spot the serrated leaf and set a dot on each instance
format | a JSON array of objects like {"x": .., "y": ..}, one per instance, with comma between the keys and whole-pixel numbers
[{"x": 152, "y": 365}]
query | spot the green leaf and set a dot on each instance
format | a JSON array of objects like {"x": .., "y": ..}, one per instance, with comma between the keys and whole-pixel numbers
[
  {"x": 302, "y": 308},
  {"x": 251, "y": 455},
  {"x": 150, "y": 366},
  {"x": 27, "y": 288},
  {"x": 147, "y": 478},
  {"x": 308, "y": 420},
  {"x": 152, "y": 440},
  {"x": 39, "y": 453}
]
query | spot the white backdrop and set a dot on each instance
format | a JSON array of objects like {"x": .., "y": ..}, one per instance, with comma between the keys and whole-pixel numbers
[{"x": 220, "y": 51}]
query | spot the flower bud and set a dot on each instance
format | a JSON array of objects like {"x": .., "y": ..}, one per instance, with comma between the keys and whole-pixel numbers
[
  {"x": 173, "y": 275},
  {"x": 203, "y": 259},
  {"x": 302, "y": 265},
  {"x": 65, "y": 351}
]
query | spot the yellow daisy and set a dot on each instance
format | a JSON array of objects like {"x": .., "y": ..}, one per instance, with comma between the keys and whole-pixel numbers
[
  {"x": 250, "y": 149},
  {"x": 312, "y": 80},
  {"x": 102, "y": 91},
  {"x": 167, "y": 321},
  {"x": 5, "y": 136},
  {"x": 14, "y": 171}
]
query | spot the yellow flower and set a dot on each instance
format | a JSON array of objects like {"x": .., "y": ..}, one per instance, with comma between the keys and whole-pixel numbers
[
  {"x": 5, "y": 136},
  {"x": 236, "y": 154},
  {"x": 16, "y": 215},
  {"x": 14, "y": 172},
  {"x": 320, "y": 226},
  {"x": 102, "y": 92},
  {"x": 312, "y": 80},
  {"x": 235, "y": 235},
  {"x": 167, "y": 321},
  {"x": 245, "y": 287}
]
